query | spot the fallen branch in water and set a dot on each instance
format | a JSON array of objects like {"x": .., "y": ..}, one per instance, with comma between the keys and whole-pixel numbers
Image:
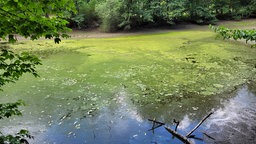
[
  {"x": 199, "y": 124},
  {"x": 208, "y": 136},
  {"x": 159, "y": 124},
  {"x": 177, "y": 124},
  {"x": 176, "y": 127},
  {"x": 184, "y": 139},
  {"x": 155, "y": 121},
  {"x": 179, "y": 136}
]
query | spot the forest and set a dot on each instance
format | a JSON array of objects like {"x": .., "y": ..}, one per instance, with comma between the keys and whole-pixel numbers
[
  {"x": 113, "y": 15},
  {"x": 127, "y": 71}
]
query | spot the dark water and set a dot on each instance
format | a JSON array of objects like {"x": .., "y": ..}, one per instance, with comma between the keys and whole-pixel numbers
[{"x": 234, "y": 121}]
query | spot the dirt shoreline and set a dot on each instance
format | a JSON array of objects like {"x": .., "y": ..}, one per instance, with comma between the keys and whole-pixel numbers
[{"x": 96, "y": 33}]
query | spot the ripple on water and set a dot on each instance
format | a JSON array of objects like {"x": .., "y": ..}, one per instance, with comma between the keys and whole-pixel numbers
[{"x": 236, "y": 122}]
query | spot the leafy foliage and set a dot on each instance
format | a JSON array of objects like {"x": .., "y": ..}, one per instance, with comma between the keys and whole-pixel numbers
[
  {"x": 109, "y": 12},
  {"x": 9, "y": 109},
  {"x": 128, "y": 14},
  {"x": 86, "y": 15},
  {"x": 13, "y": 66},
  {"x": 135, "y": 13},
  {"x": 233, "y": 9},
  {"x": 19, "y": 138},
  {"x": 33, "y": 19},
  {"x": 176, "y": 11},
  {"x": 200, "y": 11},
  {"x": 236, "y": 34}
]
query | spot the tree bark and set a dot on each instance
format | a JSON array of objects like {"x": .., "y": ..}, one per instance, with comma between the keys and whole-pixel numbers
[{"x": 179, "y": 136}]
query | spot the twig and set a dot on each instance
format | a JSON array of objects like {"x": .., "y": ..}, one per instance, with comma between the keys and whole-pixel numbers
[
  {"x": 177, "y": 124},
  {"x": 94, "y": 135},
  {"x": 159, "y": 124},
  {"x": 199, "y": 124},
  {"x": 194, "y": 137},
  {"x": 179, "y": 136},
  {"x": 155, "y": 121},
  {"x": 208, "y": 136},
  {"x": 153, "y": 128},
  {"x": 176, "y": 127}
]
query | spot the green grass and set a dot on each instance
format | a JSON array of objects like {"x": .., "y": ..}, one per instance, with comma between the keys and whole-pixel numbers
[
  {"x": 241, "y": 24},
  {"x": 153, "y": 67}
]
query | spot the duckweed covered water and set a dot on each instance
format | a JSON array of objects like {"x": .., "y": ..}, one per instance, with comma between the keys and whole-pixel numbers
[{"x": 104, "y": 90}]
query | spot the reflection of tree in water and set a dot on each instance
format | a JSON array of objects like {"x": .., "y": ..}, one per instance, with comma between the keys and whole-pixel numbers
[
  {"x": 233, "y": 120},
  {"x": 194, "y": 107},
  {"x": 252, "y": 87},
  {"x": 235, "y": 123}
]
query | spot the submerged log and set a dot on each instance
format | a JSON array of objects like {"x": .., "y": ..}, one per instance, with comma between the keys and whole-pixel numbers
[
  {"x": 184, "y": 139},
  {"x": 179, "y": 136}
]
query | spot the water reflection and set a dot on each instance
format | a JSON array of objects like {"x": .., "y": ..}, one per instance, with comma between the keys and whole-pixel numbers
[
  {"x": 235, "y": 123},
  {"x": 121, "y": 121},
  {"x": 113, "y": 124},
  {"x": 233, "y": 120}
]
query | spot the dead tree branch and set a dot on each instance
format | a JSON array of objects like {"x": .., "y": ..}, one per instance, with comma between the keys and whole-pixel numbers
[
  {"x": 179, "y": 136},
  {"x": 199, "y": 124},
  {"x": 156, "y": 124},
  {"x": 185, "y": 139},
  {"x": 209, "y": 136},
  {"x": 177, "y": 124}
]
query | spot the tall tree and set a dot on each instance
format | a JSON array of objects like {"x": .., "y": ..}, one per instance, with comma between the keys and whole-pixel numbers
[{"x": 135, "y": 13}]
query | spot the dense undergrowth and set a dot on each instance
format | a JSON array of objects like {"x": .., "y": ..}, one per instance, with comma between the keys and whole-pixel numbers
[{"x": 112, "y": 15}]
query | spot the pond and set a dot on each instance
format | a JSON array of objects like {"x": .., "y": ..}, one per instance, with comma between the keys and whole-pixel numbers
[{"x": 75, "y": 103}]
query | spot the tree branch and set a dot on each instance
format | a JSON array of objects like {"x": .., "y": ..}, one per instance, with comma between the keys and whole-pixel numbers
[
  {"x": 154, "y": 121},
  {"x": 179, "y": 136},
  {"x": 199, "y": 124},
  {"x": 159, "y": 124}
]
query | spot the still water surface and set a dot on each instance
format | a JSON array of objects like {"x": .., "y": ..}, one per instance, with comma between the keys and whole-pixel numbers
[{"x": 64, "y": 106}]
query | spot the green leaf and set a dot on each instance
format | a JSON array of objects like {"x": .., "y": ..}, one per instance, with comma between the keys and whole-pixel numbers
[{"x": 57, "y": 40}]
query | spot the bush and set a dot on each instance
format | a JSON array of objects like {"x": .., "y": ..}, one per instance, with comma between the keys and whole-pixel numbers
[
  {"x": 86, "y": 15},
  {"x": 236, "y": 34}
]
